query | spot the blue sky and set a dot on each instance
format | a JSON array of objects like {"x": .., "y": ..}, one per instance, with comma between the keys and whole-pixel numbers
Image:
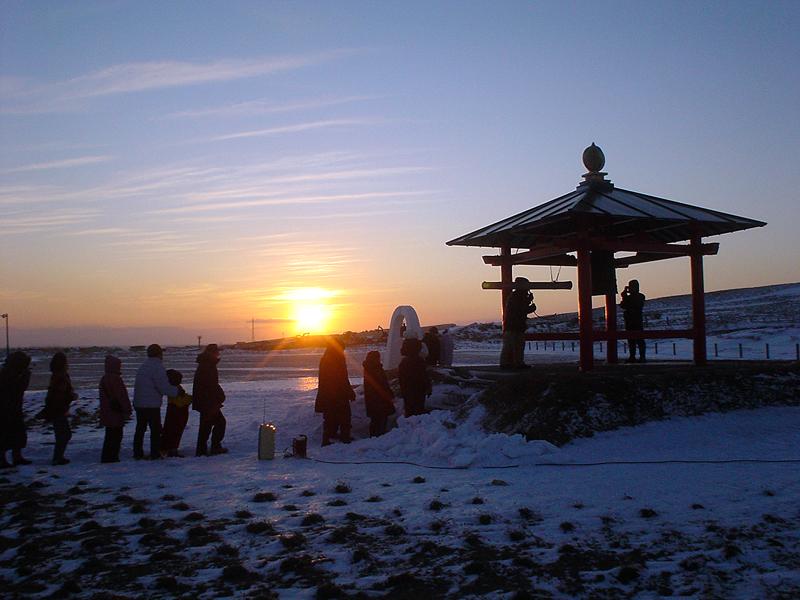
[{"x": 171, "y": 169}]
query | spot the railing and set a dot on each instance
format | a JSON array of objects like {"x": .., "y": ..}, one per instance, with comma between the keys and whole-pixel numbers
[{"x": 723, "y": 350}]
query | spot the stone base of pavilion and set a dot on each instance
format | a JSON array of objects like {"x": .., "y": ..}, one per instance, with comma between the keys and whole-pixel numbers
[{"x": 550, "y": 402}]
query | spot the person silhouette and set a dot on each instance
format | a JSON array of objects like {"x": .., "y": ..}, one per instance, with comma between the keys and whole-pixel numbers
[
  {"x": 60, "y": 395},
  {"x": 378, "y": 396},
  {"x": 632, "y": 306},
  {"x": 415, "y": 383},
  {"x": 433, "y": 343},
  {"x": 208, "y": 398},
  {"x": 515, "y": 321},
  {"x": 15, "y": 377},
  {"x": 334, "y": 393}
]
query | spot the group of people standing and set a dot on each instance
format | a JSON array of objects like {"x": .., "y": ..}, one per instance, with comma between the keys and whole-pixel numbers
[
  {"x": 520, "y": 304},
  {"x": 335, "y": 393},
  {"x": 152, "y": 383},
  {"x": 15, "y": 377}
]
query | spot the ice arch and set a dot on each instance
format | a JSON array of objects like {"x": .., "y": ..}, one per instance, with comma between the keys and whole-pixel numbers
[{"x": 413, "y": 330}]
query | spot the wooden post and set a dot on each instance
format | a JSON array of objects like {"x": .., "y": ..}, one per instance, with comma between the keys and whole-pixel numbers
[
  {"x": 611, "y": 327},
  {"x": 698, "y": 302},
  {"x": 505, "y": 277},
  {"x": 586, "y": 359}
]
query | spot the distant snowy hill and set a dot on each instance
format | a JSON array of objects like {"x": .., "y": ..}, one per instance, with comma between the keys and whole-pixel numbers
[{"x": 752, "y": 313}]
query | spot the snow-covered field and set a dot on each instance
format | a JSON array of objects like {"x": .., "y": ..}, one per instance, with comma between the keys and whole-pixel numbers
[{"x": 498, "y": 517}]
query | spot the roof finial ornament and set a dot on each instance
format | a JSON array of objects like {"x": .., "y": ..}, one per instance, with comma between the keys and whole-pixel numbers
[{"x": 594, "y": 160}]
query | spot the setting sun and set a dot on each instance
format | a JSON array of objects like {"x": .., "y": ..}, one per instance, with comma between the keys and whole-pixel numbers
[
  {"x": 310, "y": 318},
  {"x": 309, "y": 309}
]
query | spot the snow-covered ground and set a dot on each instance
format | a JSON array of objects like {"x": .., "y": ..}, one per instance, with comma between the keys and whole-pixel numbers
[{"x": 478, "y": 515}]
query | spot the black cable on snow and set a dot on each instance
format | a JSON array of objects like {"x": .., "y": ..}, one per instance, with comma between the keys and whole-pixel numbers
[{"x": 588, "y": 464}]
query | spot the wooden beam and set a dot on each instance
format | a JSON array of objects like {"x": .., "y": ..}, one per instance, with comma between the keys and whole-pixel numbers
[
  {"x": 533, "y": 254},
  {"x": 698, "y": 302},
  {"x": 586, "y": 361},
  {"x": 611, "y": 328},
  {"x": 651, "y": 247},
  {"x": 554, "y": 254},
  {"x": 642, "y": 257},
  {"x": 533, "y": 285},
  {"x": 506, "y": 277},
  {"x": 560, "y": 260}
]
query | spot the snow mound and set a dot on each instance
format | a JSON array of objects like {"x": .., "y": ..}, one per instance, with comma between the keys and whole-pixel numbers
[{"x": 438, "y": 439}]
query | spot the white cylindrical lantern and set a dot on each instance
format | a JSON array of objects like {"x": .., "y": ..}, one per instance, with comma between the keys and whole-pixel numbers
[{"x": 266, "y": 441}]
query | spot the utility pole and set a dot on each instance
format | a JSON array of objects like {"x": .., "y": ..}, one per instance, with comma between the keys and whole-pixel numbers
[
  {"x": 253, "y": 333},
  {"x": 199, "y": 338},
  {"x": 8, "y": 348}
]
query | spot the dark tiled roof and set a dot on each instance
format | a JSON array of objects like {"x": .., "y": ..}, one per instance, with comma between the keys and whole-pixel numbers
[{"x": 611, "y": 212}]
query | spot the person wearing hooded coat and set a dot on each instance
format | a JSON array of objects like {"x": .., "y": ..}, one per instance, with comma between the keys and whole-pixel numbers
[
  {"x": 115, "y": 408},
  {"x": 14, "y": 379},
  {"x": 60, "y": 395},
  {"x": 378, "y": 397},
  {"x": 415, "y": 383},
  {"x": 334, "y": 394},
  {"x": 207, "y": 399}
]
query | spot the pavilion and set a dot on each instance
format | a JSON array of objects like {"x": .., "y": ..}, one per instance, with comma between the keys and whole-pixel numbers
[{"x": 584, "y": 229}]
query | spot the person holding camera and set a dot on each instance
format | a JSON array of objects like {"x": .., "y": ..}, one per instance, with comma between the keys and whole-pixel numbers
[
  {"x": 632, "y": 306},
  {"x": 515, "y": 321}
]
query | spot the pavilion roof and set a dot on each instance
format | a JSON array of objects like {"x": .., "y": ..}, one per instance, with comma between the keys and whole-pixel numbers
[{"x": 608, "y": 212}]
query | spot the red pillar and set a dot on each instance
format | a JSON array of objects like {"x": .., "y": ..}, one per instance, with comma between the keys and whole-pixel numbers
[
  {"x": 611, "y": 328},
  {"x": 505, "y": 277},
  {"x": 585, "y": 309},
  {"x": 698, "y": 302}
]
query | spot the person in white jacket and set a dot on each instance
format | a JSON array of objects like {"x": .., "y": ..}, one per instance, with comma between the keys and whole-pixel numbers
[{"x": 150, "y": 387}]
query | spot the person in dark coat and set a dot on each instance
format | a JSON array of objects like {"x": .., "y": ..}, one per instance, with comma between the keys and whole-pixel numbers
[
  {"x": 434, "y": 346},
  {"x": 632, "y": 306},
  {"x": 515, "y": 321},
  {"x": 14, "y": 379},
  {"x": 56, "y": 405},
  {"x": 334, "y": 394},
  {"x": 378, "y": 397},
  {"x": 415, "y": 384},
  {"x": 177, "y": 416},
  {"x": 115, "y": 408},
  {"x": 207, "y": 399}
]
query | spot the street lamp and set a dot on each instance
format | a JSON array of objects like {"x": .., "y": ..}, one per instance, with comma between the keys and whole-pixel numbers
[{"x": 8, "y": 348}]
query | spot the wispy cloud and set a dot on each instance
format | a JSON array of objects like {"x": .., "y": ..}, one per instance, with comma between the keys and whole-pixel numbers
[
  {"x": 23, "y": 97},
  {"x": 99, "y": 231},
  {"x": 295, "y": 128},
  {"x": 295, "y": 200},
  {"x": 24, "y": 223},
  {"x": 59, "y": 164},
  {"x": 266, "y": 107}
]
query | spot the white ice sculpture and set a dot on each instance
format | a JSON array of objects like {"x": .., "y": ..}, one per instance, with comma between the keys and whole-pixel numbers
[{"x": 413, "y": 330}]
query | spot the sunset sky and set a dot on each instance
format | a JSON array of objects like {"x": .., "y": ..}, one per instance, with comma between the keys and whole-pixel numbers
[{"x": 176, "y": 169}]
